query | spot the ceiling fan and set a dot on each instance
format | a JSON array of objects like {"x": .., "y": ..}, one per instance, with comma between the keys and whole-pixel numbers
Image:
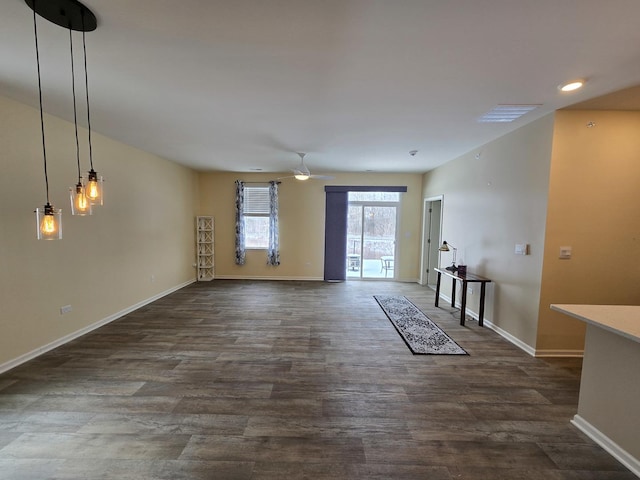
[{"x": 301, "y": 172}]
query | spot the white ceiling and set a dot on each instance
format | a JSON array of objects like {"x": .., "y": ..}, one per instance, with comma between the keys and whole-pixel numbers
[{"x": 239, "y": 85}]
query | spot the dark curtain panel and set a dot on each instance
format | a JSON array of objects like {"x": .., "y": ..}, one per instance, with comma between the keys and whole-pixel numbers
[{"x": 335, "y": 237}]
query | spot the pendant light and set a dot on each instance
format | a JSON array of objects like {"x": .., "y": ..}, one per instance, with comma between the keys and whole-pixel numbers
[
  {"x": 73, "y": 15},
  {"x": 95, "y": 183},
  {"x": 48, "y": 219},
  {"x": 80, "y": 204}
]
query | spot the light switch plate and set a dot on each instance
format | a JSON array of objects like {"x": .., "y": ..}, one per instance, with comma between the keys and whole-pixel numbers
[
  {"x": 522, "y": 249},
  {"x": 565, "y": 253}
]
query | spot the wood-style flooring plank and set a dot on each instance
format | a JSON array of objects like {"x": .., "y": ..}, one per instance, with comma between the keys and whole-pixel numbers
[{"x": 261, "y": 380}]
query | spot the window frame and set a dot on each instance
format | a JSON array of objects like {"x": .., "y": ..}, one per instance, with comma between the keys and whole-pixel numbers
[{"x": 261, "y": 212}]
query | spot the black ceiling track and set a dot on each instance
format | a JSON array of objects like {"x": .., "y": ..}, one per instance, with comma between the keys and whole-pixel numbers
[{"x": 66, "y": 13}]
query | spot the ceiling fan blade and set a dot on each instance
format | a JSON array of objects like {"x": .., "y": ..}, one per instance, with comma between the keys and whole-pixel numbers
[
  {"x": 314, "y": 177},
  {"x": 322, "y": 177}
]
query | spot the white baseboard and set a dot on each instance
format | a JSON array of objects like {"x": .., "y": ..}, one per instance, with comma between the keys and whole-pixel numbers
[
  {"x": 309, "y": 279},
  {"x": 257, "y": 277},
  {"x": 560, "y": 353},
  {"x": 532, "y": 351},
  {"x": 609, "y": 445},
  {"x": 78, "y": 333},
  {"x": 516, "y": 341}
]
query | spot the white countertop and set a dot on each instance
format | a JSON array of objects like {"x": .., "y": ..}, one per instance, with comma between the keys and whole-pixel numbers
[{"x": 621, "y": 319}]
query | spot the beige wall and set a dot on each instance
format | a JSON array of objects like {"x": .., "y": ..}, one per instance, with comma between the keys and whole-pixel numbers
[
  {"x": 105, "y": 262},
  {"x": 141, "y": 243},
  {"x": 491, "y": 202},
  {"x": 302, "y": 214},
  {"x": 593, "y": 207},
  {"x": 552, "y": 183}
]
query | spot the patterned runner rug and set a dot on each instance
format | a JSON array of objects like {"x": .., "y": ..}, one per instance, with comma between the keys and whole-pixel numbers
[{"x": 421, "y": 335}]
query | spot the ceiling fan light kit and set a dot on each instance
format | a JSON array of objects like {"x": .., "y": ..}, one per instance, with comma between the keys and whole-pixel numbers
[{"x": 302, "y": 172}]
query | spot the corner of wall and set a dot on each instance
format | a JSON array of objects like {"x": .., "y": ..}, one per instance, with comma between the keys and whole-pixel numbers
[{"x": 594, "y": 175}]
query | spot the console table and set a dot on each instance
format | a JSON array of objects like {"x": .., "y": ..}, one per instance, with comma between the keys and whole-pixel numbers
[{"x": 464, "y": 278}]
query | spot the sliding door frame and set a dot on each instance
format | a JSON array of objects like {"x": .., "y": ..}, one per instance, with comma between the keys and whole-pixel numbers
[{"x": 335, "y": 228}]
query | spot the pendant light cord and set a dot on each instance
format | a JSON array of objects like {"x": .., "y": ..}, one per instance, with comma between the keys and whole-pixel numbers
[
  {"x": 75, "y": 116},
  {"x": 86, "y": 85},
  {"x": 44, "y": 148}
]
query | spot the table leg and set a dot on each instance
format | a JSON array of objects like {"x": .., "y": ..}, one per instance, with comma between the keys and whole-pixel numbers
[
  {"x": 463, "y": 303},
  {"x": 453, "y": 294},
  {"x": 438, "y": 288},
  {"x": 481, "y": 315}
]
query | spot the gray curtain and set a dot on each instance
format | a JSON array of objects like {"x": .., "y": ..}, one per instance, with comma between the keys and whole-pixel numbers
[
  {"x": 335, "y": 236},
  {"x": 240, "y": 248},
  {"x": 273, "y": 252}
]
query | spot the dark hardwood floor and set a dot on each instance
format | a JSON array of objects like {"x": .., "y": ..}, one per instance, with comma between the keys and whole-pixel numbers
[{"x": 291, "y": 380}]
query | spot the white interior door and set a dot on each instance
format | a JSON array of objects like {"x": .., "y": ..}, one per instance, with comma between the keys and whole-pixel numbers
[{"x": 431, "y": 240}]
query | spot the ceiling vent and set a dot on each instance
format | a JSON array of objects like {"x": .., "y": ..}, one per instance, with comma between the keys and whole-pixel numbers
[{"x": 506, "y": 113}]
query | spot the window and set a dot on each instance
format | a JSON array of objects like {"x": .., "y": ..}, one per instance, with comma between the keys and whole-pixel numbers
[
  {"x": 257, "y": 221},
  {"x": 256, "y": 217}
]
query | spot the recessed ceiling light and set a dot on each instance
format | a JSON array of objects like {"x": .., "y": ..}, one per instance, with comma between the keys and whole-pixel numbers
[
  {"x": 571, "y": 86},
  {"x": 506, "y": 113}
]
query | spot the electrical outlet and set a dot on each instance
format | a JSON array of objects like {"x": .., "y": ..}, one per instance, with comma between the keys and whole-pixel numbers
[
  {"x": 65, "y": 309},
  {"x": 152, "y": 278}
]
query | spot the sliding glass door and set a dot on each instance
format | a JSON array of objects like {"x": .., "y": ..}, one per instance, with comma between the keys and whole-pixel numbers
[{"x": 371, "y": 237}]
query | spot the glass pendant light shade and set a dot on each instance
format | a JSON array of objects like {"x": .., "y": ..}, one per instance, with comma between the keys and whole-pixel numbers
[
  {"x": 80, "y": 204},
  {"x": 49, "y": 223},
  {"x": 94, "y": 188}
]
